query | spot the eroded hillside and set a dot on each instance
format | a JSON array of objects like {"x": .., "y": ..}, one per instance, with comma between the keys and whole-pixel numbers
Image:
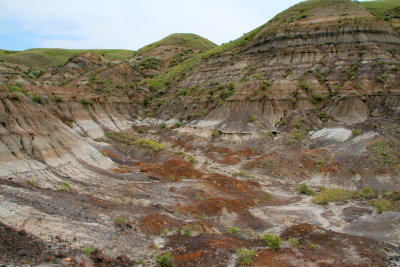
[{"x": 281, "y": 148}]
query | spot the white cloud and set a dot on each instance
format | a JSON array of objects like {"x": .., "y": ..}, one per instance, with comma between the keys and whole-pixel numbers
[{"x": 133, "y": 24}]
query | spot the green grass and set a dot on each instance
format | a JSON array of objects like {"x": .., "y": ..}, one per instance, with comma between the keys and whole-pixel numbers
[
  {"x": 150, "y": 144},
  {"x": 121, "y": 220},
  {"x": 122, "y": 137},
  {"x": 188, "y": 40},
  {"x": 245, "y": 256},
  {"x": 382, "y": 205},
  {"x": 384, "y": 9},
  {"x": 382, "y": 153},
  {"x": 171, "y": 76},
  {"x": 328, "y": 195},
  {"x": 40, "y": 58}
]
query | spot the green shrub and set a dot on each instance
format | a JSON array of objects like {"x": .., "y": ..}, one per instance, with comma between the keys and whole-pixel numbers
[
  {"x": 233, "y": 230},
  {"x": 356, "y": 132},
  {"x": 268, "y": 196},
  {"x": 293, "y": 241},
  {"x": 165, "y": 260},
  {"x": 85, "y": 102},
  {"x": 65, "y": 187},
  {"x": 37, "y": 98},
  {"x": 305, "y": 87},
  {"x": 252, "y": 118},
  {"x": 150, "y": 144},
  {"x": 89, "y": 250},
  {"x": 333, "y": 195},
  {"x": 177, "y": 125},
  {"x": 305, "y": 190},
  {"x": 317, "y": 98},
  {"x": 272, "y": 241},
  {"x": 187, "y": 231},
  {"x": 58, "y": 98},
  {"x": 382, "y": 205},
  {"x": 122, "y": 220},
  {"x": 162, "y": 126},
  {"x": 312, "y": 246},
  {"x": 215, "y": 133},
  {"x": 366, "y": 193},
  {"x": 245, "y": 256}
]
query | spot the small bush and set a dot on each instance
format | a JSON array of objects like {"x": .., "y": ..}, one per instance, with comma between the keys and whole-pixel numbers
[
  {"x": 58, "y": 99},
  {"x": 187, "y": 231},
  {"x": 305, "y": 87},
  {"x": 356, "y": 132},
  {"x": 233, "y": 230},
  {"x": 268, "y": 196},
  {"x": 215, "y": 133},
  {"x": 272, "y": 241},
  {"x": 37, "y": 98},
  {"x": 312, "y": 246},
  {"x": 89, "y": 250},
  {"x": 162, "y": 126},
  {"x": 150, "y": 144},
  {"x": 85, "y": 102},
  {"x": 333, "y": 195},
  {"x": 122, "y": 220},
  {"x": 382, "y": 205},
  {"x": 252, "y": 118},
  {"x": 317, "y": 98},
  {"x": 65, "y": 187},
  {"x": 176, "y": 125},
  {"x": 293, "y": 241},
  {"x": 140, "y": 130},
  {"x": 245, "y": 256},
  {"x": 165, "y": 260},
  {"x": 305, "y": 190}
]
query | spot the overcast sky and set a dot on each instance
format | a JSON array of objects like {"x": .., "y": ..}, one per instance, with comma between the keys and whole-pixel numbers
[{"x": 127, "y": 24}]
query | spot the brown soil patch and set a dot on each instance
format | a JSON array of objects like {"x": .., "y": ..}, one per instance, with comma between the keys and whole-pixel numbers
[{"x": 206, "y": 250}]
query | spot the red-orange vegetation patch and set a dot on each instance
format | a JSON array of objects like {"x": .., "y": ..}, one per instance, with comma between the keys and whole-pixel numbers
[
  {"x": 183, "y": 142},
  {"x": 155, "y": 223},
  {"x": 172, "y": 169},
  {"x": 226, "y": 156},
  {"x": 123, "y": 169},
  {"x": 233, "y": 160},
  {"x": 335, "y": 246},
  {"x": 277, "y": 258},
  {"x": 206, "y": 250}
]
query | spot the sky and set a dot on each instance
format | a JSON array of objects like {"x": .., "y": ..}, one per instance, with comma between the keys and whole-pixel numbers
[{"x": 127, "y": 24}]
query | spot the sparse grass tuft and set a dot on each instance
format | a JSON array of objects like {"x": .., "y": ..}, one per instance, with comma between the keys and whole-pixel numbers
[
  {"x": 121, "y": 220},
  {"x": 122, "y": 137},
  {"x": 382, "y": 153},
  {"x": 37, "y": 98},
  {"x": 356, "y": 132},
  {"x": 85, "y": 102}
]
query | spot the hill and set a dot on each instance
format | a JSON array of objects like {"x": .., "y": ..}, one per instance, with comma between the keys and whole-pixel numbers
[{"x": 41, "y": 58}]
